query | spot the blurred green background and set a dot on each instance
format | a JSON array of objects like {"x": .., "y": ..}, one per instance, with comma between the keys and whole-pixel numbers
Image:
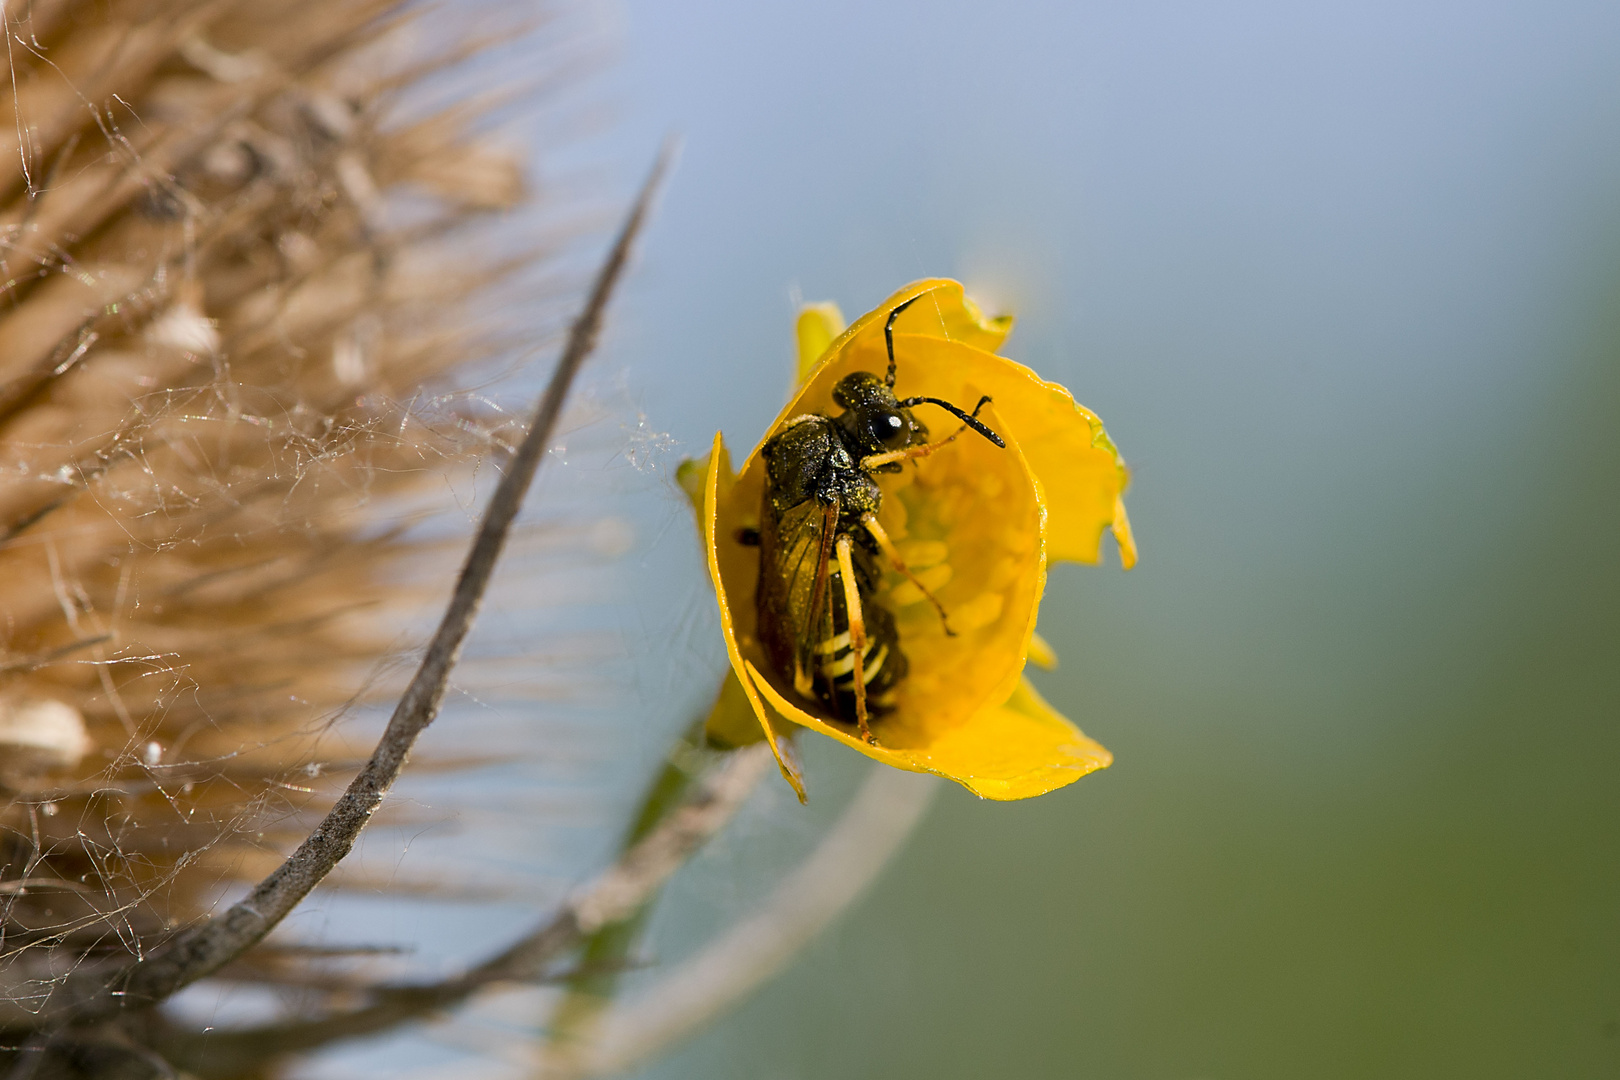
[{"x": 1342, "y": 281}]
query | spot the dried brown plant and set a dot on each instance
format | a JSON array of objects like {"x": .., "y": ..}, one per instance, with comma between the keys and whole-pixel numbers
[{"x": 238, "y": 291}]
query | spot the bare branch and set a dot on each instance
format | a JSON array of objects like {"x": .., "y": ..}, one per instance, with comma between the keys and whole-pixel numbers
[
  {"x": 615, "y": 895},
  {"x": 695, "y": 991},
  {"x": 203, "y": 949}
]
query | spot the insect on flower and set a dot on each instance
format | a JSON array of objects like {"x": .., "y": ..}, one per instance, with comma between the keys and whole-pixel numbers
[
  {"x": 882, "y": 589},
  {"x": 820, "y": 540}
]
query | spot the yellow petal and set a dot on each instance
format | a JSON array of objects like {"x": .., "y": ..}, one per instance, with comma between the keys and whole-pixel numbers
[
  {"x": 1015, "y": 750},
  {"x": 946, "y": 313},
  {"x": 693, "y": 477},
  {"x": 719, "y": 500},
  {"x": 1123, "y": 535},
  {"x": 1041, "y": 654},
  {"x": 1018, "y": 750},
  {"x": 818, "y": 326}
]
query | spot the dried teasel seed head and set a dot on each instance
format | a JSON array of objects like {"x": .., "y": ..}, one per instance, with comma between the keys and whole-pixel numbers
[{"x": 248, "y": 256}]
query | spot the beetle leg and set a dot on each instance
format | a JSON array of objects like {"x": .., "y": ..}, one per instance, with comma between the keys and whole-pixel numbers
[
  {"x": 857, "y": 632},
  {"x": 874, "y": 461},
  {"x": 887, "y": 545}
]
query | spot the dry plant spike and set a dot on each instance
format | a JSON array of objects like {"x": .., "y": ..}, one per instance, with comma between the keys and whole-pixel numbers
[
  {"x": 203, "y": 949},
  {"x": 228, "y": 382}
]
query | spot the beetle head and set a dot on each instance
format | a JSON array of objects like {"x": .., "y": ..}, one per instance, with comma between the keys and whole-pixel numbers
[{"x": 873, "y": 418}]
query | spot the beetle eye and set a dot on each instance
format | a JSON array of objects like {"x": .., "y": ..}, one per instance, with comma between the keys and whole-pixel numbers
[{"x": 888, "y": 428}]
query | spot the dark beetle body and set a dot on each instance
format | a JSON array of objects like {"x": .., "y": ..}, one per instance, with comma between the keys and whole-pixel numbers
[
  {"x": 814, "y": 479},
  {"x": 820, "y": 495}
]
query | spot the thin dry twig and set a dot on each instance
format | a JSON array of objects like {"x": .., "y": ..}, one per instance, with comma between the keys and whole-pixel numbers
[
  {"x": 877, "y": 822},
  {"x": 203, "y": 949},
  {"x": 617, "y": 894}
]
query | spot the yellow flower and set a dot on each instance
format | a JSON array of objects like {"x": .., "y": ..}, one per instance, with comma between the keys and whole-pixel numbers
[{"x": 976, "y": 524}]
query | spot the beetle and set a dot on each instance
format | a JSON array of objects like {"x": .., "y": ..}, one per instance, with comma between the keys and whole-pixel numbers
[{"x": 820, "y": 542}]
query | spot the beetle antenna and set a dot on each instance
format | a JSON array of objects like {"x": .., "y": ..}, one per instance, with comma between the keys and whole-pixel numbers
[
  {"x": 971, "y": 421},
  {"x": 888, "y": 335}
]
